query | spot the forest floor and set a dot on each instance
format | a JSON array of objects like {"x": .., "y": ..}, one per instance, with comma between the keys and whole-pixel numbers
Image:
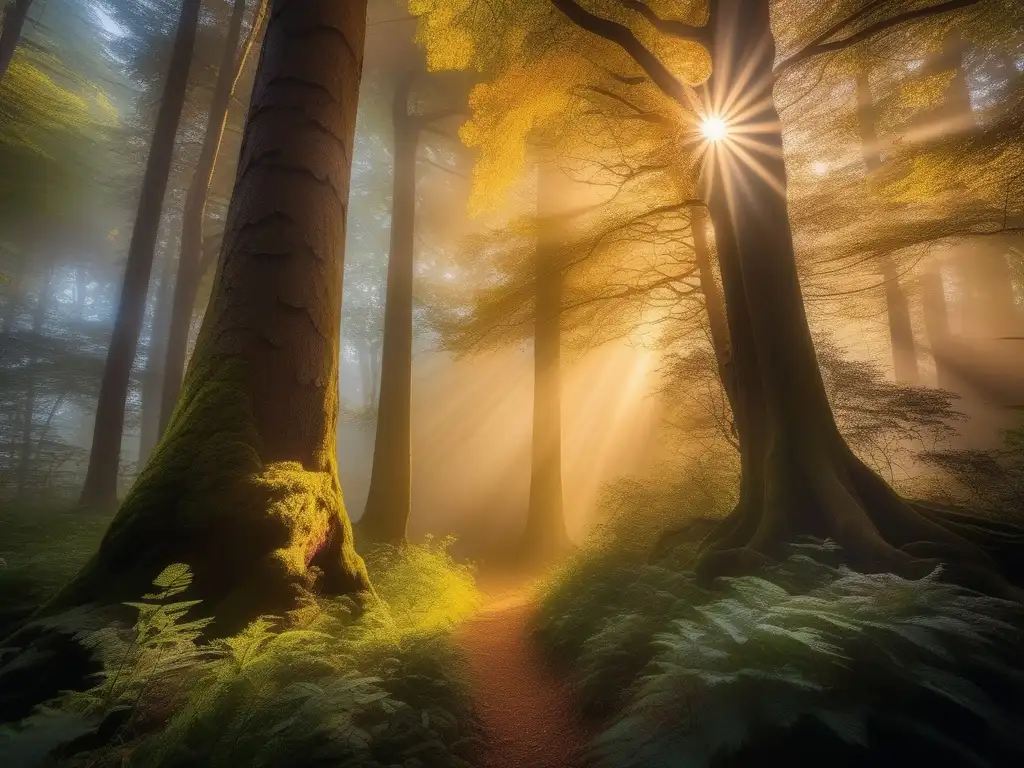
[{"x": 527, "y": 713}]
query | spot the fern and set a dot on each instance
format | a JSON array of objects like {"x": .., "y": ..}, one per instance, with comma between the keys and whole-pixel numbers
[
  {"x": 848, "y": 661},
  {"x": 324, "y": 686}
]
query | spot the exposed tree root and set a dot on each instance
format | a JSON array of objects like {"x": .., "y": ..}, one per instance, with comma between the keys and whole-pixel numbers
[{"x": 878, "y": 531}]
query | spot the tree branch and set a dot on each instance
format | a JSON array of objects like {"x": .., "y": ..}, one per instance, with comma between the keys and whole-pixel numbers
[
  {"x": 623, "y": 37},
  {"x": 443, "y": 167},
  {"x": 651, "y": 117},
  {"x": 670, "y": 27},
  {"x": 819, "y": 47},
  {"x": 432, "y": 117}
]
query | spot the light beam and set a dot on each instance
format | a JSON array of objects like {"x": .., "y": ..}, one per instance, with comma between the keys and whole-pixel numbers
[{"x": 713, "y": 128}]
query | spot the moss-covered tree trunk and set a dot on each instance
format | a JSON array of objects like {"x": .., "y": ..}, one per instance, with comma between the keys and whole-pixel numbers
[
  {"x": 545, "y": 534},
  {"x": 104, "y": 458},
  {"x": 389, "y": 500},
  {"x": 800, "y": 476},
  {"x": 190, "y": 259},
  {"x": 244, "y": 486},
  {"x": 14, "y": 17}
]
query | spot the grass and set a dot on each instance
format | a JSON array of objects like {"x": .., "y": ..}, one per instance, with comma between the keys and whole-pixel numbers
[
  {"x": 327, "y": 685},
  {"x": 807, "y": 663}
]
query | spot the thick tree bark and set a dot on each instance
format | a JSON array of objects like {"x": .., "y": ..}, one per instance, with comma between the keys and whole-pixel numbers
[
  {"x": 803, "y": 479},
  {"x": 244, "y": 486},
  {"x": 389, "y": 500},
  {"x": 29, "y": 414},
  {"x": 101, "y": 479},
  {"x": 718, "y": 325},
  {"x": 152, "y": 377},
  {"x": 190, "y": 259},
  {"x": 545, "y": 535},
  {"x": 14, "y": 17}
]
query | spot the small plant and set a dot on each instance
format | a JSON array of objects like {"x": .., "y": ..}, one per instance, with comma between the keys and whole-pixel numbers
[
  {"x": 840, "y": 661},
  {"x": 324, "y": 686}
]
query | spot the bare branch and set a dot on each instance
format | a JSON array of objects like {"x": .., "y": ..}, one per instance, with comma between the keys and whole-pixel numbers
[
  {"x": 641, "y": 114},
  {"x": 434, "y": 117},
  {"x": 623, "y": 37},
  {"x": 670, "y": 27},
  {"x": 816, "y": 49},
  {"x": 443, "y": 167}
]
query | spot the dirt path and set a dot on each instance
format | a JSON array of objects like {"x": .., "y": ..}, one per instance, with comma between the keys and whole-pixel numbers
[{"x": 527, "y": 714}]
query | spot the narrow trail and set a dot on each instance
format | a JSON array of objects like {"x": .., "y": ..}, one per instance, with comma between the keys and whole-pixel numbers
[{"x": 527, "y": 713}]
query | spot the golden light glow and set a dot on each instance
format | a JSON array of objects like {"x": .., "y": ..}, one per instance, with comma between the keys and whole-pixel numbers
[{"x": 713, "y": 128}]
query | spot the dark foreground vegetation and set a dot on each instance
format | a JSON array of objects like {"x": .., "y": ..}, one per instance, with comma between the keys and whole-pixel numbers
[
  {"x": 708, "y": 316},
  {"x": 806, "y": 663},
  {"x": 332, "y": 683}
]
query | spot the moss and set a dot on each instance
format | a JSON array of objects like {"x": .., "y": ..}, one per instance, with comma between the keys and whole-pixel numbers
[{"x": 256, "y": 535}]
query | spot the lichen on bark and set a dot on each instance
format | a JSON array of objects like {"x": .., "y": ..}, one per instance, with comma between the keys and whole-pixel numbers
[{"x": 256, "y": 534}]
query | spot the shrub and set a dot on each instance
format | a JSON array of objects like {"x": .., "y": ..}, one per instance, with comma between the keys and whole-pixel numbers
[
  {"x": 808, "y": 662},
  {"x": 329, "y": 685}
]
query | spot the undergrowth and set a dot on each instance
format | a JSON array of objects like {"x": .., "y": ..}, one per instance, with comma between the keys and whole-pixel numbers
[
  {"x": 327, "y": 685},
  {"x": 807, "y": 663}
]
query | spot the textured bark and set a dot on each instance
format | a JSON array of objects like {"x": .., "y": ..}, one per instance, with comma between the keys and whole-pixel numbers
[
  {"x": 104, "y": 459},
  {"x": 14, "y": 17},
  {"x": 718, "y": 325},
  {"x": 244, "y": 486},
  {"x": 190, "y": 258},
  {"x": 901, "y": 330},
  {"x": 389, "y": 500},
  {"x": 545, "y": 535},
  {"x": 29, "y": 414},
  {"x": 799, "y": 475}
]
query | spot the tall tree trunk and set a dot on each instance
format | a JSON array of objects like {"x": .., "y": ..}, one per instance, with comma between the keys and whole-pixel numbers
[
  {"x": 988, "y": 298},
  {"x": 366, "y": 372},
  {"x": 101, "y": 479},
  {"x": 806, "y": 481},
  {"x": 901, "y": 330},
  {"x": 545, "y": 534},
  {"x": 866, "y": 123},
  {"x": 389, "y": 500},
  {"x": 190, "y": 260},
  {"x": 375, "y": 369},
  {"x": 81, "y": 283},
  {"x": 152, "y": 377},
  {"x": 29, "y": 414},
  {"x": 718, "y": 325},
  {"x": 14, "y": 18},
  {"x": 936, "y": 323},
  {"x": 244, "y": 484}
]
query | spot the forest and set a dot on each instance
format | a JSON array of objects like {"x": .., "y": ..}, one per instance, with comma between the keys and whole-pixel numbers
[{"x": 511, "y": 383}]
